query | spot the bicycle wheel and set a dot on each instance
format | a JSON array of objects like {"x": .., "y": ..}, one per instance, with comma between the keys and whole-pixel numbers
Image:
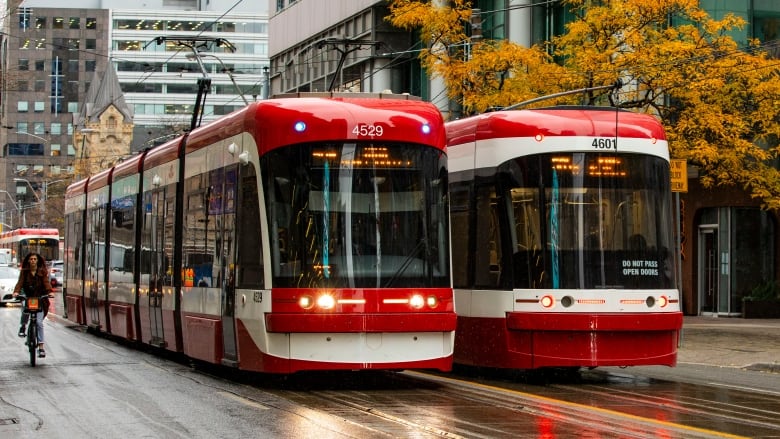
[{"x": 32, "y": 339}]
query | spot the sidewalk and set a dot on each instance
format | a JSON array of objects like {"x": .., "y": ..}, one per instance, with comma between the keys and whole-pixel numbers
[{"x": 731, "y": 342}]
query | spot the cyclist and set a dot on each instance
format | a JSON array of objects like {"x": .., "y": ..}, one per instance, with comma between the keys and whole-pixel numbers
[{"x": 34, "y": 279}]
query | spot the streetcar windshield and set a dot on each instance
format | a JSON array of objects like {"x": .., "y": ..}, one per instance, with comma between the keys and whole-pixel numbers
[
  {"x": 590, "y": 220},
  {"x": 358, "y": 215},
  {"x": 47, "y": 247}
]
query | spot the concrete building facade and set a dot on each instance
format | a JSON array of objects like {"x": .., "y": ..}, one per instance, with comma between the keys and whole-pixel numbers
[{"x": 156, "y": 50}]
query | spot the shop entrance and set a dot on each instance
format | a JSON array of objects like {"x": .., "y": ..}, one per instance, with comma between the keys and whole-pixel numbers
[
  {"x": 735, "y": 254},
  {"x": 708, "y": 270}
]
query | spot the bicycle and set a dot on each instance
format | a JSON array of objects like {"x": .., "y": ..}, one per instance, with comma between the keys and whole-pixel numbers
[{"x": 32, "y": 306}]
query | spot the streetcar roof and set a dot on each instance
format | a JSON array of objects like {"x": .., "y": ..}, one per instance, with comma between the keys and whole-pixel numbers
[
  {"x": 556, "y": 121},
  {"x": 272, "y": 122},
  {"x": 129, "y": 166}
]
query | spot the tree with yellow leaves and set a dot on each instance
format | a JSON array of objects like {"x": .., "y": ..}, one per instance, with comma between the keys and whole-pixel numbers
[{"x": 720, "y": 103}]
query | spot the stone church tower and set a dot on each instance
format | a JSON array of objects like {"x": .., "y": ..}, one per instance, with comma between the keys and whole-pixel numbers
[{"x": 104, "y": 129}]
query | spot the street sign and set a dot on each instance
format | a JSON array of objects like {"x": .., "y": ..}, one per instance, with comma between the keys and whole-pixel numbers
[{"x": 679, "y": 174}]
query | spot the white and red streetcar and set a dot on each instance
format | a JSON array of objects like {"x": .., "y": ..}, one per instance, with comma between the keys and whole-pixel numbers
[
  {"x": 563, "y": 244},
  {"x": 301, "y": 233}
]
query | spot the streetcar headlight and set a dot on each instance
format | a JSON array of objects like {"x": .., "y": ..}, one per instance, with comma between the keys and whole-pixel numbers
[
  {"x": 547, "y": 301},
  {"x": 300, "y": 126},
  {"x": 326, "y": 301},
  {"x": 426, "y": 129},
  {"x": 306, "y": 302},
  {"x": 417, "y": 301},
  {"x": 663, "y": 301},
  {"x": 433, "y": 302}
]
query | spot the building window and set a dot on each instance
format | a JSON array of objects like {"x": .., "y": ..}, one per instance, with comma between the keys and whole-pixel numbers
[
  {"x": 91, "y": 23},
  {"x": 25, "y": 149},
  {"x": 25, "y": 43},
  {"x": 74, "y": 23},
  {"x": 111, "y": 123},
  {"x": 40, "y": 65},
  {"x": 130, "y": 45},
  {"x": 39, "y": 128},
  {"x": 55, "y": 128},
  {"x": 25, "y": 14},
  {"x": 21, "y": 127},
  {"x": 74, "y": 43},
  {"x": 90, "y": 44},
  {"x": 40, "y": 85},
  {"x": 71, "y": 151},
  {"x": 24, "y": 64},
  {"x": 90, "y": 65},
  {"x": 55, "y": 170},
  {"x": 40, "y": 22},
  {"x": 73, "y": 107},
  {"x": 39, "y": 106},
  {"x": 22, "y": 106},
  {"x": 55, "y": 149},
  {"x": 22, "y": 85},
  {"x": 59, "y": 23}
]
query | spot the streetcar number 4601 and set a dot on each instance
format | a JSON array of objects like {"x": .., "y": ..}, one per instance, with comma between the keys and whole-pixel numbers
[{"x": 604, "y": 143}]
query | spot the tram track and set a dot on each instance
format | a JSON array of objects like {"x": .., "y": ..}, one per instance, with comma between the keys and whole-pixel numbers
[
  {"x": 688, "y": 407},
  {"x": 413, "y": 404},
  {"x": 463, "y": 405}
]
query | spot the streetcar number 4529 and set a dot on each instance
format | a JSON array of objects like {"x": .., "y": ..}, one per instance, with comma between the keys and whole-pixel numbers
[
  {"x": 604, "y": 143},
  {"x": 365, "y": 129}
]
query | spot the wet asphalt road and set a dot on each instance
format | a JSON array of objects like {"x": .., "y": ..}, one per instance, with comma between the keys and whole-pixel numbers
[{"x": 93, "y": 387}]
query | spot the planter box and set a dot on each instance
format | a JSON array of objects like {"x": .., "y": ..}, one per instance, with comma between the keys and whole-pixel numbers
[{"x": 761, "y": 309}]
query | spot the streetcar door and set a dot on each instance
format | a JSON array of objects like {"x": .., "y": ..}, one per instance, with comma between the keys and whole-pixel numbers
[
  {"x": 708, "y": 270},
  {"x": 228, "y": 266},
  {"x": 160, "y": 273},
  {"x": 94, "y": 264}
]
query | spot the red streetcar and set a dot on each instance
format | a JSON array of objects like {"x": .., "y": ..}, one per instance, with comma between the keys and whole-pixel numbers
[
  {"x": 19, "y": 242},
  {"x": 301, "y": 233},
  {"x": 563, "y": 248}
]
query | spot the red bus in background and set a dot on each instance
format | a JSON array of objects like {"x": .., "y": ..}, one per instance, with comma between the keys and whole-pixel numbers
[
  {"x": 22, "y": 241},
  {"x": 300, "y": 233},
  {"x": 563, "y": 243}
]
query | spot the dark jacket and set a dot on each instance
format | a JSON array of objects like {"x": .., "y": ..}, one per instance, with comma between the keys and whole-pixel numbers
[{"x": 35, "y": 285}]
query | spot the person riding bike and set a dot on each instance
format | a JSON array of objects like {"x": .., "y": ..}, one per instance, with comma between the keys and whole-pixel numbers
[{"x": 34, "y": 280}]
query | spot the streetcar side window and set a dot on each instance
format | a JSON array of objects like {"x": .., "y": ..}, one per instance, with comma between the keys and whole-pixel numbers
[
  {"x": 488, "y": 266},
  {"x": 461, "y": 247},
  {"x": 249, "y": 246}
]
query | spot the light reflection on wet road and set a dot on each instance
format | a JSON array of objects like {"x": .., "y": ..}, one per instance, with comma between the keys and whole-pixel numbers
[{"x": 596, "y": 406}]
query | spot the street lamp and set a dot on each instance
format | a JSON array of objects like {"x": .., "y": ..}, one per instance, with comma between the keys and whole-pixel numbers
[
  {"x": 41, "y": 200},
  {"x": 32, "y": 135},
  {"x": 24, "y": 211},
  {"x": 13, "y": 201}
]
